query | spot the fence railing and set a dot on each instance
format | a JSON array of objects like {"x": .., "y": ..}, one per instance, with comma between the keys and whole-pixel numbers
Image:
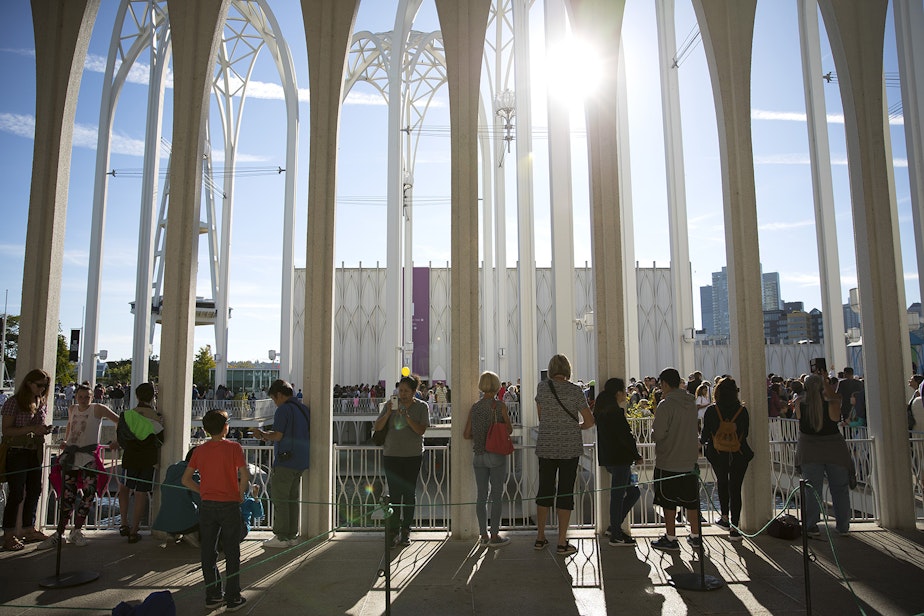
[
  {"x": 359, "y": 482},
  {"x": 439, "y": 412},
  {"x": 241, "y": 410}
]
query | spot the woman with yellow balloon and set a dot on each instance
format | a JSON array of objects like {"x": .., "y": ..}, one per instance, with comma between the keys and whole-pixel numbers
[{"x": 406, "y": 418}]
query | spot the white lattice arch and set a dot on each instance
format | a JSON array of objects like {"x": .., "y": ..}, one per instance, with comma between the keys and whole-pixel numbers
[{"x": 144, "y": 24}]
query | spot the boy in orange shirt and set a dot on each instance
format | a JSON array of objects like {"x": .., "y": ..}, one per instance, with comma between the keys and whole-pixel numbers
[{"x": 223, "y": 484}]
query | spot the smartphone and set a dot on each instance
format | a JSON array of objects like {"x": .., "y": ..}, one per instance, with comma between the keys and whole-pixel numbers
[
  {"x": 818, "y": 366},
  {"x": 394, "y": 403}
]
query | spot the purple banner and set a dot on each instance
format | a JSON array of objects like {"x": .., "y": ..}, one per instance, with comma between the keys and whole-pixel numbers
[{"x": 421, "y": 321}]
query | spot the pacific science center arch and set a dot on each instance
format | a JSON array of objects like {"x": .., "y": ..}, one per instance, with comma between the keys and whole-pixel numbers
[{"x": 856, "y": 33}]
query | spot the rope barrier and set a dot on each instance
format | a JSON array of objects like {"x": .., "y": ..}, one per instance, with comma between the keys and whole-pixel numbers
[{"x": 389, "y": 510}]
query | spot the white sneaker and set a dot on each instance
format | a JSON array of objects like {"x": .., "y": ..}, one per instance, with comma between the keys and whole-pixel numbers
[
  {"x": 76, "y": 537},
  {"x": 49, "y": 542},
  {"x": 277, "y": 543}
]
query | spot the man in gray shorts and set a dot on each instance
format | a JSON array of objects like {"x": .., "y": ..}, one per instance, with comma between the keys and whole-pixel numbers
[{"x": 675, "y": 434}]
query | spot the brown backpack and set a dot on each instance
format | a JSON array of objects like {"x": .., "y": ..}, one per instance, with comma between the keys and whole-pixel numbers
[{"x": 726, "y": 437}]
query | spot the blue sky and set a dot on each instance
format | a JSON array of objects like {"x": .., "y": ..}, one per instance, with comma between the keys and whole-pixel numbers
[{"x": 782, "y": 172}]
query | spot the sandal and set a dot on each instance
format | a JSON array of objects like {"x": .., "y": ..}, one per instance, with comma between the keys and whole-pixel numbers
[
  {"x": 566, "y": 550},
  {"x": 12, "y": 544},
  {"x": 540, "y": 544},
  {"x": 124, "y": 530}
]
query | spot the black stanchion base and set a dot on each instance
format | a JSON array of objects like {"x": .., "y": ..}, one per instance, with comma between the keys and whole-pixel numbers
[
  {"x": 696, "y": 581},
  {"x": 66, "y": 580}
]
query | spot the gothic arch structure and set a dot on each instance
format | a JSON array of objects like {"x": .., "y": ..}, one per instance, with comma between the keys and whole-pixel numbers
[{"x": 856, "y": 33}]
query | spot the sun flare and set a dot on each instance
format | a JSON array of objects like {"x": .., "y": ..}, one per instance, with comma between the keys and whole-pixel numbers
[{"x": 574, "y": 71}]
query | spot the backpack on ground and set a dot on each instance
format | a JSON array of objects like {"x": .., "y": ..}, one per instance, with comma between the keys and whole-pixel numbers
[
  {"x": 785, "y": 526},
  {"x": 726, "y": 438}
]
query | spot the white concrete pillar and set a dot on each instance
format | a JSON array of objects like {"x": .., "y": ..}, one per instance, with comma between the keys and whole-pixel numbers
[
  {"x": 822, "y": 186},
  {"x": 328, "y": 31},
  {"x": 727, "y": 28},
  {"x": 462, "y": 25},
  {"x": 627, "y": 229},
  {"x": 160, "y": 54},
  {"x": 600, "y": 23},
  {"x": 62, "y": 34},
  {"x": 560, "y": 190},
  {"x": 681, "y": 276},
  {"x": 909, "y": 25},
  {"x": 195, "y": 31},
  {"x": 857, "y": 32}
]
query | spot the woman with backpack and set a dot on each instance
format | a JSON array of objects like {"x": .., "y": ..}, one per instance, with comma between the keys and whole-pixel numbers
[{"x": 725, "y": 435}]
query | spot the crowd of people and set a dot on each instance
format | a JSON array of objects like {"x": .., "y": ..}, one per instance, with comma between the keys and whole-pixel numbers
[{"x": 219, "y": 503}]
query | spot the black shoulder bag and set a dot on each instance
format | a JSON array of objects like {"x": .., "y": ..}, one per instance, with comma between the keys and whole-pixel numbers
[{"x": 555, "y": 393}]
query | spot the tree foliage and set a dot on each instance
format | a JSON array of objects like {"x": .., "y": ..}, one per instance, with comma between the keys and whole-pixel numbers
[
  {"x": 65, "y": 371},
  {"x": 202, "y": 366},
  {"x": 118, "y": 371},
  {"x": 12, "y": 344}
]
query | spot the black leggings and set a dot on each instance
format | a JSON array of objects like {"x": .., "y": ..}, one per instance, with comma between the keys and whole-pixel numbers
[
  {"x": 401, "y": 474},
  {"x": 729, "y": 471}
]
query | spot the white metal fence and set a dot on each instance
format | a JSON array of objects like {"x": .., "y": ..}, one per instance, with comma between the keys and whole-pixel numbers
[{"x": 360, "y": 482}]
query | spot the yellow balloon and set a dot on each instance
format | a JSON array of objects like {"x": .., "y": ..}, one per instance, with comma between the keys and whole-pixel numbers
[{"x": 405, "y": 371}]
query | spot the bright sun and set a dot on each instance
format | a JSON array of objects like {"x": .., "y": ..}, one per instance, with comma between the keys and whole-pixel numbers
[{"x": 574, "y": 71}]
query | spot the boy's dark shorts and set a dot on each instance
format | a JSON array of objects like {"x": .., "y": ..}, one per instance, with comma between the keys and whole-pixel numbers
[
  {"x": 139, "y": 479},
  {"x": 676, "y": 490}
]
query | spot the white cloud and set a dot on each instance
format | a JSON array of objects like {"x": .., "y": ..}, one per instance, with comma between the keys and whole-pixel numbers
[
  {"x": 15, "y": 250},
  {"x": 18, "y": 124},
  {"x": 800, "y": 116},
  {"x": 20, "y": 52},
  {"x": 785, "y": 226},
  {"x": 801, "y": 279}
]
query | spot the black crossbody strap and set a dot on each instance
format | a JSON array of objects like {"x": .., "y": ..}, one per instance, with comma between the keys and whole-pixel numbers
[{"x": 555, "y": 393}]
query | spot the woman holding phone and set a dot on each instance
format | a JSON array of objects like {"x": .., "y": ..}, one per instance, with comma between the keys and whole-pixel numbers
[{"x": 407, "y": 419}]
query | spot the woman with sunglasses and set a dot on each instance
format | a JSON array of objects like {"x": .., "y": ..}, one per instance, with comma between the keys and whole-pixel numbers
[{"x": 24, "y": 431}]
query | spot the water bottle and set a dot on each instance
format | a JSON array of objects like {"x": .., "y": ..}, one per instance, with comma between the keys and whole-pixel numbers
[{"x": 633, "y": 478}]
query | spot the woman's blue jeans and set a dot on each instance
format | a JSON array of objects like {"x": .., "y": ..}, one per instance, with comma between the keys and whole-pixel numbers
[
  {"x": 839, "y": 487},
  {"x": 489, "y": 468},
  {"x": 622, "y": 496}
]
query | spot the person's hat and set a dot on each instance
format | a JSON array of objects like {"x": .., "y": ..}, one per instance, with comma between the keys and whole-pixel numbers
[{"x": 145, "y": 392}]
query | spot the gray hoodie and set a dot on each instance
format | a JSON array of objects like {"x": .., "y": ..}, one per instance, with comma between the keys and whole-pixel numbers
[{"x": 675, "y": 431}]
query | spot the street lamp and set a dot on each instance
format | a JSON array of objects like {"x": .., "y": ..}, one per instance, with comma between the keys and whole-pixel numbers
[{"x": 505, "y": 108}]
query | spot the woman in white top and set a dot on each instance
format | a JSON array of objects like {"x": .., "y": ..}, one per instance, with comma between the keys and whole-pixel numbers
[
  {"x": 81, "y": 440},
  {"x": 702, "y": 399}
]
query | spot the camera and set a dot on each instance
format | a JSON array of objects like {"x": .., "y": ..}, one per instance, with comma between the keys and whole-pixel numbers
[{"x": 818, "y": 366}]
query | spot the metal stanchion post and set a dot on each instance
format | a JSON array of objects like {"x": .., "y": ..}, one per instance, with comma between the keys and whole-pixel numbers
[
  {"x": 805, "y": 553},
  {"x": 386, "y": 570}
]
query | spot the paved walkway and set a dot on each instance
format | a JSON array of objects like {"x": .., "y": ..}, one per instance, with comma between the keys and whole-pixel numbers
[{"x": 439, "y": 576}]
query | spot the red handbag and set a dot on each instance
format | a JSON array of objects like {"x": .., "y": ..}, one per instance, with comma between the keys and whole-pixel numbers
[{"x": 498, "y": 441}]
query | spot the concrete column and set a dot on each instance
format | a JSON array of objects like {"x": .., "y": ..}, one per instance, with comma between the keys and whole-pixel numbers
[
  {"x": 600, "y": 23},
  {"x": 627, "y": 229},
  {"x": 727, "y": 28},
  {"x": 195, "y": 30},
  {"x": 560, "y": 190},
  {"x": 909, "y": 18},
  {"x": 147, "y": 227},
  {"x": 328, "y": 31},
  {"x": 681, "y": 276},
  {"x": 462, "y": 25},
  {"x": 829, "y": 269},
  {"x": 857, "y": 32},
  {"x": 62, "y": 34}
]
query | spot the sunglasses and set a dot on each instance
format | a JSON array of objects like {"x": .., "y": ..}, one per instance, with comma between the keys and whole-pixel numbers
[{"x": 41, "y": 385}]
